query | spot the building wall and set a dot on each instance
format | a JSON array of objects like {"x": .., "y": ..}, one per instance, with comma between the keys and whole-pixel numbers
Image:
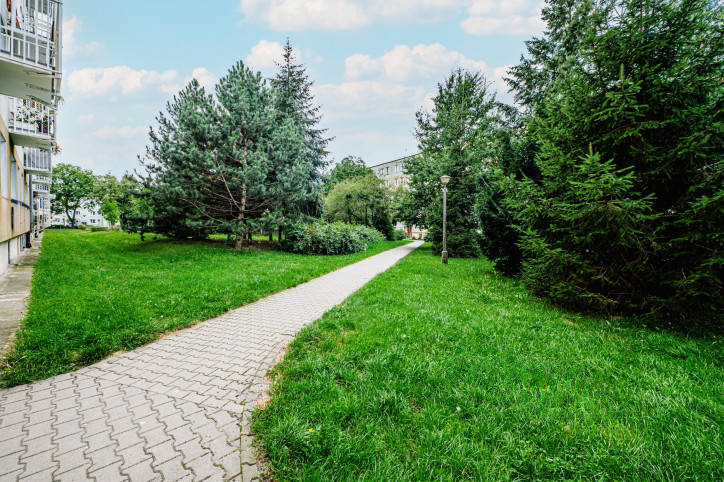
[
  {"x": 393, "y": 175},
  {"x": 89, "y": 216},
  {"x": 15, "y": 202}
]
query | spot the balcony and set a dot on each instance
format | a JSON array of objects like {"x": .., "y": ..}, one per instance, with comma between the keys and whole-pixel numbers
[
  {"x": 41, "y": 188},
  {"x": 37, "y": 162},
  {"x": 30, "y": 49},
  {"x": 41, "y": 180},
  {"x": 31, "y": 124}
]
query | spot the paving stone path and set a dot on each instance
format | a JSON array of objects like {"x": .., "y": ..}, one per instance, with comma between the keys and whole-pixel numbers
[{"x": 177, "y": 409}]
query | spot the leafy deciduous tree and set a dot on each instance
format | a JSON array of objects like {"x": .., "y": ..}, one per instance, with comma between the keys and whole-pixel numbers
[{"x": 72, "y": 187}]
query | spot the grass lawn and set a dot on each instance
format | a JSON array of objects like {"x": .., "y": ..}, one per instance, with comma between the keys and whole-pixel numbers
[
  {"x": 97, "y": 293},
  {"x": 435, "y": 372}
]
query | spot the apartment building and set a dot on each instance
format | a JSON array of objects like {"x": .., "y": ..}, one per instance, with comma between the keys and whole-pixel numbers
[
  {"x": 30, "y": 75},
  {"x": 88, "y": 214},
  {"x": 392, "y": 174}
]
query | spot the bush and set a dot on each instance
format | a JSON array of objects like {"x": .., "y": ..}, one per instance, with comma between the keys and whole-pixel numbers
[
  {"x": 96, "y": 229},
  {"x": 328, "y": 238},
  {"x": 398, "y": 235}
]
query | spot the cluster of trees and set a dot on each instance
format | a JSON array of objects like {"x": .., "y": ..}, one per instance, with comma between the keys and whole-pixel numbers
[
  {"x": 249, "y": 157},
  {"x": 75, "y": 187},
  {"x": 354, "y": 195},
  {"x": 603, "y": 187}
]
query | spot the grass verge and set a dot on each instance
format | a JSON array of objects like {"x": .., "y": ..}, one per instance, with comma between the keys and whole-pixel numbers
[
  {"x": 445, "y": 373},
  {"x": 97, "y": 293}
]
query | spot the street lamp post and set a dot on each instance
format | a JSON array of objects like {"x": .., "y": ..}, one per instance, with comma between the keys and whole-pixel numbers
[{"x": 444, "y": 180}]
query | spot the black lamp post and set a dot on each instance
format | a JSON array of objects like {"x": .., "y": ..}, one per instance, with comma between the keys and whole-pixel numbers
[{"x": 444, "y": 180}]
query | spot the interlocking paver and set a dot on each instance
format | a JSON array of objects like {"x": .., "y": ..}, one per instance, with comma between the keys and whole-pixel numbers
[{"x": 177, "y": 409}]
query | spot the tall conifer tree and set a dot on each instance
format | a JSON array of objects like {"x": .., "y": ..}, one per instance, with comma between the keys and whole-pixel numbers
[{"x": 627, "y": 102}]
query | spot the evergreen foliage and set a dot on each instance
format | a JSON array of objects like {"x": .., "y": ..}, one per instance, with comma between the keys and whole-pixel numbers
[
  {"x": 294, "y": 102},
  {"x": 510, "y": 151},
  {"x": 233, "y": 163},
  {"x": 452, "y": 142},
  {"x": 626, "y": 101}
]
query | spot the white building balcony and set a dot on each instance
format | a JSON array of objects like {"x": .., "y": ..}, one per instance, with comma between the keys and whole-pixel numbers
[
  {"x": 30, "y": 49},
  {"x": 31, "y": 124},
  {"x": 41, "y": 188},
  {"x": 42, "y": 180},
  {"x": 38, "y": 162}
]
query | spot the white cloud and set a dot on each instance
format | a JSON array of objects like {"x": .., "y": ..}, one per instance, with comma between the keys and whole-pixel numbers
[
  {"x": 205, "y": 78},
  {"x": 95, "y": 81},
  {"x": 347, "y": 14},
  {"x": 352, "y": 99},
  {"x": 125, "y": 132},
  {"x": 486, "y": 17},
  {"x": 264, "y": 54},
  {"x": 509, "y": 17},
  {"x": 306, "y": 14},
  {"x": 403, "y": 63},
  {"x": 71, "y": 46},
  {"x": 86, "y": 118}
]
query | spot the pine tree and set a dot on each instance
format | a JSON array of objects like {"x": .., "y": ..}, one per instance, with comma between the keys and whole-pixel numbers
[
  {"x": 628, "y": 212},
  {"x": 226, "y": 165},
  {"x": 176, "y": 161}
]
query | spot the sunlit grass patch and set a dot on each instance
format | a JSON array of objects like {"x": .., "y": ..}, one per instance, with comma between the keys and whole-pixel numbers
[
  {"x": 97, "y": 293},
  {"x": 435, "y": 372}
]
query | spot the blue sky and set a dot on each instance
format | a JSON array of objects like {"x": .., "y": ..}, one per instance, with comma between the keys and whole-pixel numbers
[{"x": 374, "y": 63}]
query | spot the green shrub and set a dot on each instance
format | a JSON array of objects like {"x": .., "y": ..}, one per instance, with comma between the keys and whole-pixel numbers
[
  {"x": 96, "y": 229},
  {"x": 398, "y": 235},
  {"x": 328, "y": 238}
]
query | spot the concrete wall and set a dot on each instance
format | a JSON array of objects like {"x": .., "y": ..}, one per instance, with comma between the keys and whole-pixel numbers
[{"x": 15, "y": 211}]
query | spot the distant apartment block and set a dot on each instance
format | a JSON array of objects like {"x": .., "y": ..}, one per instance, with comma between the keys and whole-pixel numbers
[
  {"x": 30, "y": 75},
  {"x": 392, "y": 174},
  {"x": 88, "y": 215}
]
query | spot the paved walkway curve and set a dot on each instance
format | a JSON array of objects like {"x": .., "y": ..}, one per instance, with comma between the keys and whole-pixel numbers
[{"x": 177, "y": 409}]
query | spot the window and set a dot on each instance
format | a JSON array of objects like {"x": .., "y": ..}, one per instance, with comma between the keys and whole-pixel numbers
[
  {"x": 4, "y": 166},
  {"x": 13, "y": 179},
  {"x": 388, "y": 169}
]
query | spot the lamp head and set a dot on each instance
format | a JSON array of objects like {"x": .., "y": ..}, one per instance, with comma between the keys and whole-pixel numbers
[{"x": 444, "y": 180}]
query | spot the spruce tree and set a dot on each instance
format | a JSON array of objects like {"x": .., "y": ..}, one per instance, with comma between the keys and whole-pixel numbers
[
  {"x": 510, "y": 151},
  {"x": 628, "y": 212},
  {"x": 294, "y": 102},
  {"x": 451, "y": 140}
]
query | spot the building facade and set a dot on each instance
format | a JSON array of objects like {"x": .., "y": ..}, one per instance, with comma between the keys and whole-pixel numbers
[
  {"x": 88, "y": 215},
  {"x": 30, "y": 75},
  {"x": 392, "y": 174}
]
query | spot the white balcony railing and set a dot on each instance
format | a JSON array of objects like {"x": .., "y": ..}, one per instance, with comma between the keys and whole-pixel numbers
[
  {"x": 31, "y": 118},
  {"x": 42, "y": 188},
  {"x": 41, "y": 179},
  {"x": 38, "y": 161},
  {"x": 30, "y": 32}
]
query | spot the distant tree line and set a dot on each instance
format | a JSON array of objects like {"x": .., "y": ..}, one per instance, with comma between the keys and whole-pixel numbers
[
  {"x": 603, "y": 188},
  {"x": 75, "y": 188}
]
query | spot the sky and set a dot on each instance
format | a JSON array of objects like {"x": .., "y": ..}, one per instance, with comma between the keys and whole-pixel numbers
[{"x": 374, "y": 63}]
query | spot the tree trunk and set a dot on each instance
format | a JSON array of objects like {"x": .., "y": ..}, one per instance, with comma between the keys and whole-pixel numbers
[
  {"x": 271, "y": 235},
  {"x": 240, "y": 220},
  {"x": 279, "y": 234}
]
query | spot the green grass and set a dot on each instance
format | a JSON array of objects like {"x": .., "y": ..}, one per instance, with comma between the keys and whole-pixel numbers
[
  {"x": 97, "y": 293},
  {"x": 435, "y": 372}
]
